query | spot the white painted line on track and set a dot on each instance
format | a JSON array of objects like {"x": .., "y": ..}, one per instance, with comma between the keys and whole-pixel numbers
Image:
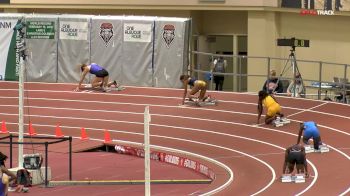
[
  {"x": 225, "y": 134},
  {"x": 178, "y": 98},
  {"x": 145, "y": 104},
  {"x": 231, "y": 123},
  {"x": 220, "y": 164}
]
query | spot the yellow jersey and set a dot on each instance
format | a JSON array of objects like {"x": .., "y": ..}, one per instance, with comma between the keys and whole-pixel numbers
[{"x": 268, "y": 101}]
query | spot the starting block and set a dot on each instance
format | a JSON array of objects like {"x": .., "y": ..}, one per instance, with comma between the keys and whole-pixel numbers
[
  {"x": 118, "y": 88},
  {"x": 279, "y": 122},
  {"x": 88, "y": 87},
  {"x": 197, "y": 103},
  {"x": 297, "y": 178},
  {"x": 309, "y": 149},
  {"x": 322, "y": 148}
]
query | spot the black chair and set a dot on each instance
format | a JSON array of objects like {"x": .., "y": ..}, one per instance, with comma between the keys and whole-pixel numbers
[{"x": 285, "y": 84}]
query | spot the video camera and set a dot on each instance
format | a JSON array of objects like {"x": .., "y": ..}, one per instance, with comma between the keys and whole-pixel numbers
[{"x": 293, "y": 42}]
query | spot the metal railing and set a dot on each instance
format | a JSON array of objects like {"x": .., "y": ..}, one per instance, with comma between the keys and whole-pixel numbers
[{"x": 248, "y": 73}]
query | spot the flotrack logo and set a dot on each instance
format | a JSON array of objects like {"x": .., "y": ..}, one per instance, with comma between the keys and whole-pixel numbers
[{"x": 317, "y": 12}]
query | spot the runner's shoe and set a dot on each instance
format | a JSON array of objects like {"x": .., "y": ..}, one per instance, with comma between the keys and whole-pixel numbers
[
  {"x": 206, "y": 98},
  {"x": 284, "y": 120},
  {"x": 115, "y": 84}
]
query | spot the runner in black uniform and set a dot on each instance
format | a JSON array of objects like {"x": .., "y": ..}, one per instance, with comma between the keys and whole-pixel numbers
[{"x": 295, "y": 156}]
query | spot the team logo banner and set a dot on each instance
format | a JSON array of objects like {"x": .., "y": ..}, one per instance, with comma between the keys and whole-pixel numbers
[
  {"x": 73, "y": 30},
  {"x": 137, "y": 32},
  {"x": 106, "y": 32},
  {"x": 9, "y": 55},
  {"x": 168, "y": 34}
]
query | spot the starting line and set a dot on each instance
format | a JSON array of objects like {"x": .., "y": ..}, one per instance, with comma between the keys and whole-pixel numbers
[{"x": 127, "y": 182}]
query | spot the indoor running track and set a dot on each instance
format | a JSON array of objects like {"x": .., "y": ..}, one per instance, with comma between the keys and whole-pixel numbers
[{"x": 246, "y": 159}]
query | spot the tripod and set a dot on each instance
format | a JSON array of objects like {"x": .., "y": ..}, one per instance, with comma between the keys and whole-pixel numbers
[{"x": 293, "y": 65}]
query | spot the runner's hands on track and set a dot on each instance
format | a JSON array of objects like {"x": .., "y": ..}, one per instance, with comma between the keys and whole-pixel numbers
[{"x": 77, "y": 89}]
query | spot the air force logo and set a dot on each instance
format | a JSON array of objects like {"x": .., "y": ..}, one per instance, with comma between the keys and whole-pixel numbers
[
  {"x": 106, "y": 32},
  {"x": 168, "y": 34}
]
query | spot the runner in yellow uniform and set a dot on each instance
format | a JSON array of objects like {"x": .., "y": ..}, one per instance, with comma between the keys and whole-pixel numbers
[
  {"x": 272, "y": 106},
  {"x": 197, "y": 86}
]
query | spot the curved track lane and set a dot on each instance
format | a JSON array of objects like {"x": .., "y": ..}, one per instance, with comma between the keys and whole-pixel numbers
[{"x": 224, "y": 133}]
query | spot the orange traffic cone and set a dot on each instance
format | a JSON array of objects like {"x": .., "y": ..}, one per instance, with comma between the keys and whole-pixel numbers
[
  {"x": 3, "y": 127},
  {"x": 58, "y": 131},
  {"x": 31, "y": 130},
  {"x": 107, "y": 136},
  {"x": 83, "y": 134}
]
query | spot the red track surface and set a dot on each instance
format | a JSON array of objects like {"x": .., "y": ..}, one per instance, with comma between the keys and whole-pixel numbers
[{"x": 224, "y": 133}]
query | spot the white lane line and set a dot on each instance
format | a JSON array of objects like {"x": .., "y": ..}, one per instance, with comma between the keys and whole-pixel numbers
[
  {"x": 218, "y": 163},
  {"x": 224, "y": 134},
  {"x": 172, "y": 116},
  {"x": 161, "y": 115},
  {"x": 191, "y": 108},
  {"x": 173, "y": 89},
  {"x": 178, "y": 98}
]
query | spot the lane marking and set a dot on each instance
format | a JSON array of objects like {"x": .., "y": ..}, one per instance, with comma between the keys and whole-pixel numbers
[
  {"x": 225, "y": 134},
  {"x": 166, "y": 97}
]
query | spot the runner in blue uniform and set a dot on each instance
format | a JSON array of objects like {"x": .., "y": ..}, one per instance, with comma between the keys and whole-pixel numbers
[
  {"x": 5, "y": 180},
  {"x": 310, "y": 131},
  {"x": 101, "y": 79}
]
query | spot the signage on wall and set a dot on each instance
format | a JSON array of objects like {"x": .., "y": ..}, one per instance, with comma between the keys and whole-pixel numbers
[
  {"x": 40, "y": 30},
  {"x": 168, "y": 34},
  {"x": 134, "y": 32},
  {"x": 73, "y": 30},
  {"x": 106, "y": 32}
]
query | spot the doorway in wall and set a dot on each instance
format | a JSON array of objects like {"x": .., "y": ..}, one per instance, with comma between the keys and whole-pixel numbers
[{"x": 228, "y": 45}]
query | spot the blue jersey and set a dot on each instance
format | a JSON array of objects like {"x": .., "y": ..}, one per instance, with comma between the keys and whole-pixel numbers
[
  {"x": 94, "y": 68},
  {"x": 192, "y": 81},
  {"x": 310, "y": 129},
  {"x": 2, "y": 187}
]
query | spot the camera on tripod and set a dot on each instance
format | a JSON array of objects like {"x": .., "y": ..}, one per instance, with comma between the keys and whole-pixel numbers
[{"x": 293, "y": 42}]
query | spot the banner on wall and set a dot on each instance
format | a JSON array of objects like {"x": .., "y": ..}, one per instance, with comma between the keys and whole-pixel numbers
[
  {"x": 42, "y": 48},
  {"x": 169, "y": 52},
  {"x": 134, "y": 32},
  {"x": 74, "y": 36},
  {"x": 106, "y": 44},
  {"x": 40, "y": 30},
  {"x": 9, "y": 56},
  {"x": 73, "y": 30}
]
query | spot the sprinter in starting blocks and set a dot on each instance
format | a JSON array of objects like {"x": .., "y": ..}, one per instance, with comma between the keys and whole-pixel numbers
[
  {"x": 273, "y": 108},
  {"x": 295, "y": 156},
  {"x": 309, "y": 130}
]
